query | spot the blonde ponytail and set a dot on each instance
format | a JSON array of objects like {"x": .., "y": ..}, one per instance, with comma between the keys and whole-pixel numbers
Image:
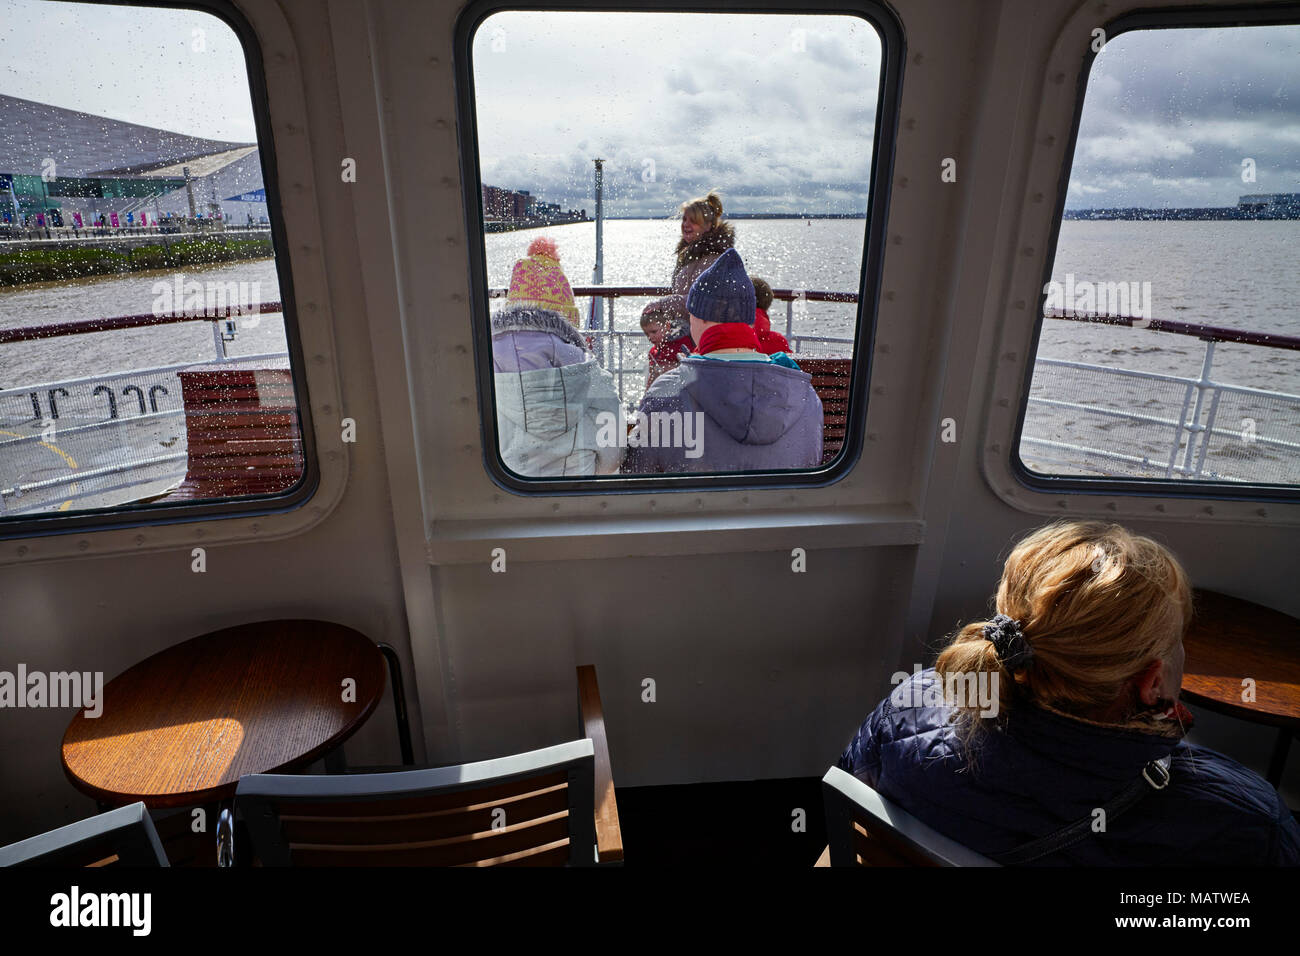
[{"x": 1094, "y": 604}]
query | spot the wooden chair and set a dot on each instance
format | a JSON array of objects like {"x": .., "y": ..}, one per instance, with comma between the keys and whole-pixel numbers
[
  {"x": 548, "y": 807},
  {"x": 121, "y": 837},
  {"x": 865, "y": 829}
]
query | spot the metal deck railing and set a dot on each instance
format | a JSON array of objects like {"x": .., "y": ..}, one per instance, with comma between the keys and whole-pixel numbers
[
  {"x": 101, "y": 440},
  {"x": 1164, "y": 426},
  {"x": 121, "y": 436},
  {"x": 610, "y": 344}
]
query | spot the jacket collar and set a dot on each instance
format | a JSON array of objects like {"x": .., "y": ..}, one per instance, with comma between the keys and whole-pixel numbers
[
  {"x": 716, "y": 241},
  {"x": 1100, "y": 749},
  {"x": 519, "y": 319}
]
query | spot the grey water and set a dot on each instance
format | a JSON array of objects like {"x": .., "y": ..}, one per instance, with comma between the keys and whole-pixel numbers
[{"x": 1239, "y": 275}]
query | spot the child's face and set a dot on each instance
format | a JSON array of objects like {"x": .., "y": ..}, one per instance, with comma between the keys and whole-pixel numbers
[{"x": 654, "y": 331}]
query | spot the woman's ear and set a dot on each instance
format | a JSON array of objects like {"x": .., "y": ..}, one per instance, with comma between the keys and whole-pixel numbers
[{"x": 1148, "y": 681}]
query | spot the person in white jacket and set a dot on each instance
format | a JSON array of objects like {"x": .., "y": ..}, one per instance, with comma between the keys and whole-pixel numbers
[{"x": 552, "y": 396}]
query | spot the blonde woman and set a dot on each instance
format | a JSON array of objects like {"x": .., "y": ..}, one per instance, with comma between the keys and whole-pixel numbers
[
  {"x": 705, "y": 236},
  {"x": 1066, "y": 704}
]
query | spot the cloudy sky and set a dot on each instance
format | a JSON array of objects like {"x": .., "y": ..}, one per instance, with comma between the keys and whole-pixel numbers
[
  {"x": 172, "y": 69},
  {"x": 733, "y": 101},
  {"x": 779, "y": 120},
  {"x": 1170, "y": 115}
]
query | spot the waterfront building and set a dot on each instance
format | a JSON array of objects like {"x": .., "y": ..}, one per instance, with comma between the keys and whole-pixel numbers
[{"x": 56, "y": 163}]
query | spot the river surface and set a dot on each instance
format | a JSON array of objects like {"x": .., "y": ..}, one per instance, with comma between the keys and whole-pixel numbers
[
  {"x": 1240, "y": 275},
  {"x": 1237, "y": 275}
]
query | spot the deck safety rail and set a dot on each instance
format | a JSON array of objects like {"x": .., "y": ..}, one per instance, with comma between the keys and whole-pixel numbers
[
  {"x": 113, "y": 437},
  {"x": 615, "y": 358},
  {"x": 1268, "y": 454},
  {"x": 134, "y": 404}
]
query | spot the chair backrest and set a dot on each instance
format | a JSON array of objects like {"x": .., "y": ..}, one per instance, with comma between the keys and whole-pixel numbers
[
  {"x": 530, "y": 809},
  {"x": 121, "y": 837},
  {"x": 863, "y": 828}
]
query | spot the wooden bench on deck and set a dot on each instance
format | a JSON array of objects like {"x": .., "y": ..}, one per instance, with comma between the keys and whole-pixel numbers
[
  {"x": 830, "y": 379},
  {"x": 241, "y": 425}
]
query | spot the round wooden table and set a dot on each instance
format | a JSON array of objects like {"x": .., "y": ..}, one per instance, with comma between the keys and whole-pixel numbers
[
  {"x": 1234, "y": 648},
  {"x": 182, "y": 727}
]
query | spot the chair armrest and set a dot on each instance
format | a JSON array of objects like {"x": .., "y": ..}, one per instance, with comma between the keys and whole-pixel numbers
[{"x": 609, "y": 838}]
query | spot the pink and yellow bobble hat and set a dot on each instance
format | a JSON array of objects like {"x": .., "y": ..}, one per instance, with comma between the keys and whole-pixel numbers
[{"x": 538, "y": 282}]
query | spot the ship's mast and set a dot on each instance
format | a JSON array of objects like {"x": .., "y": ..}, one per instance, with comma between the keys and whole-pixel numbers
[{"x": 596, "y": 319}]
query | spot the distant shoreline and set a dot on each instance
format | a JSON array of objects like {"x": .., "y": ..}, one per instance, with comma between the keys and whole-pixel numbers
[
  {"x": 763, "y": 215},
  {"x": 500, "y": 225},
  {"x": 543, "y": 222},
  {"x": 1205, "y": 214}
]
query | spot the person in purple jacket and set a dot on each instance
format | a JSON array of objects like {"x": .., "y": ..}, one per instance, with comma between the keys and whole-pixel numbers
[
  {"x": 1052, "y": 734},
  {"x": 728, "y": 407},
  {"x": 552, "y": 396}
]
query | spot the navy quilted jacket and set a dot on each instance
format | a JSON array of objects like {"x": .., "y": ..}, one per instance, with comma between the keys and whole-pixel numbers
[{"x": 1043, "y": 771}]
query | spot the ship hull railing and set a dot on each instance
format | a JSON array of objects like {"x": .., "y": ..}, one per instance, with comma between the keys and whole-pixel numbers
[
  {"x": 1259, "y": 444},
  {"x": 128, "y": 427},
  {"x": 111, "y": 438},
  {"x": 610, "y": 343}
]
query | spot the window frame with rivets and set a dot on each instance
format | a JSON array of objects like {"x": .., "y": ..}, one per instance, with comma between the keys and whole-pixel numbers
[
  {"x": 625, "y": 425},
  {"x": 1171, "y": 438},
  {"x": 236, "y": 413}
]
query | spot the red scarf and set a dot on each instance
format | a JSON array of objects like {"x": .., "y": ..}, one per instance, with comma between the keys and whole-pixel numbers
[{"x": 727, "y": 335}]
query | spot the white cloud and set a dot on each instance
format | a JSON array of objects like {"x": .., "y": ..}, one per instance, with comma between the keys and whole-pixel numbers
[{"x": 723, "y": 100}]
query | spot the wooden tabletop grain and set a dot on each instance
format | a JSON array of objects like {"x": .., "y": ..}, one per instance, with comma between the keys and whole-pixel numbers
[
  {"x": 184, "y": 725},
  {"x": 1236, "y": 647}
]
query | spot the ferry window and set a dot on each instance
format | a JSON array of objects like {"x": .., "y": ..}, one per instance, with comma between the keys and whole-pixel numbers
[
  {"x": 144, "y": 350},
  {"x": 674, "y": 213},
  {"x": 1170, "y": 347}
]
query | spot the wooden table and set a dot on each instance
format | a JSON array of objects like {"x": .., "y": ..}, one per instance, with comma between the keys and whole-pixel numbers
[
  {"x": 1232, "y": 640},
  {"x": 182, "y": 727}
]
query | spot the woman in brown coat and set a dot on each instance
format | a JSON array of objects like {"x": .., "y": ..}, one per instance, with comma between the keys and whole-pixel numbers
[{"x": 705, "y": 236}]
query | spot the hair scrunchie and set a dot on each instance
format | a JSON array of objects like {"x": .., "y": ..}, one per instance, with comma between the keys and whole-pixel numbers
[{"x": 1009, "y": 642}]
